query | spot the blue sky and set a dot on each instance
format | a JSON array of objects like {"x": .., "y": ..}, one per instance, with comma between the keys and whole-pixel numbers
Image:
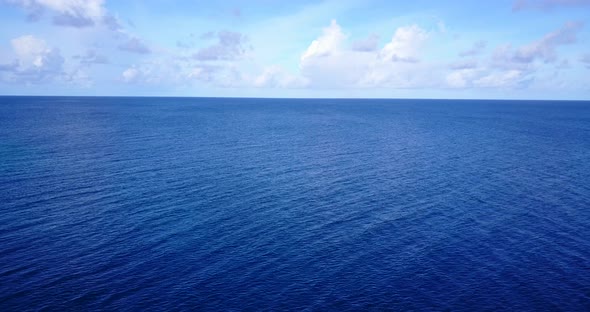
[{"x": 514, "y": 49}]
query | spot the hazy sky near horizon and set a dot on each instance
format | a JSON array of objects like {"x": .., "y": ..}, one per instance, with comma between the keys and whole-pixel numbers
[{"x": 520, "y": 49}]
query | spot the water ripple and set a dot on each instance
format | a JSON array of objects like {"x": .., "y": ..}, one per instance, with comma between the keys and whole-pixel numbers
[{"x": 248, "y": 204}]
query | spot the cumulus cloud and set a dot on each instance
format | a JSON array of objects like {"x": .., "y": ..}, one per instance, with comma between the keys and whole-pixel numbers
[
  {"x": 73, "y": 13},
  {"x": 327, "y": 63},
  {"x": 134, "y": 45},
  {"x": 585, "y": 59},
  {"x": 404, "y": 45},
  {"x": 512, "y": 67},
  {"x": 547, "y": 4},
  {"x": 475, "y": 50},
  {"x": 35, "y": 61},
  {"x": 398, "y": 64},
  {"x": 329, "y": 43},
  {"x": 33, "y": 52},
  {"x": 543, "y": 49},
  {"x": 230, "y": 46}
]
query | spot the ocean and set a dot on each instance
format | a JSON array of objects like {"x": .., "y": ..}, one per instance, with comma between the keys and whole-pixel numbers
[{"x": 202, "y": 204}]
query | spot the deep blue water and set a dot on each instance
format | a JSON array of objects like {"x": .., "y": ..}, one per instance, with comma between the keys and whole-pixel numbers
[{"x": 138, "y": 204}]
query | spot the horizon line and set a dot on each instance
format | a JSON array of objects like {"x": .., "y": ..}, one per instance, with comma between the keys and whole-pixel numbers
[{"x": 296, "y": 98}]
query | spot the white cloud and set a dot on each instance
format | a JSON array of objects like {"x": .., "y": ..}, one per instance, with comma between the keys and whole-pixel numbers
[
  {"x": 329, "y": 43},
  {"x": 511, "y": 67},
  {"x": 327, "y": 63},
  {"x": 398, "y": 64},
  {"x": 74, "y": 13},
  {"x": 403, "y": 76},
  {"x": 131, "y": 75},
  {"x": 543, "y": 49},
  {"x": 502, "y": 79},
  {"x": 202, "y": 73},
  {"x": 277, "y": 77},
  {"x": 35, "y": 60},
  {"x": 30, "y": 50},
  {"x": 487, "y": 78},
  {"x": 404, "y": 45},
  {"x": 461, "y": 78},
  {"x": 156, "y": 72},
  {"x": 182, "y": 71},
  {"x": 343, "y": 68}
]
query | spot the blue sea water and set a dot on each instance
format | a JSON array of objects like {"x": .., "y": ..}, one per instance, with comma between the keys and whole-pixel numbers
[{"x": 196, "y": 204}]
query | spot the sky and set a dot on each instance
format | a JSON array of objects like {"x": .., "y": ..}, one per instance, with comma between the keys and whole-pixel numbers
[{"x": 502, "y": 49}]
